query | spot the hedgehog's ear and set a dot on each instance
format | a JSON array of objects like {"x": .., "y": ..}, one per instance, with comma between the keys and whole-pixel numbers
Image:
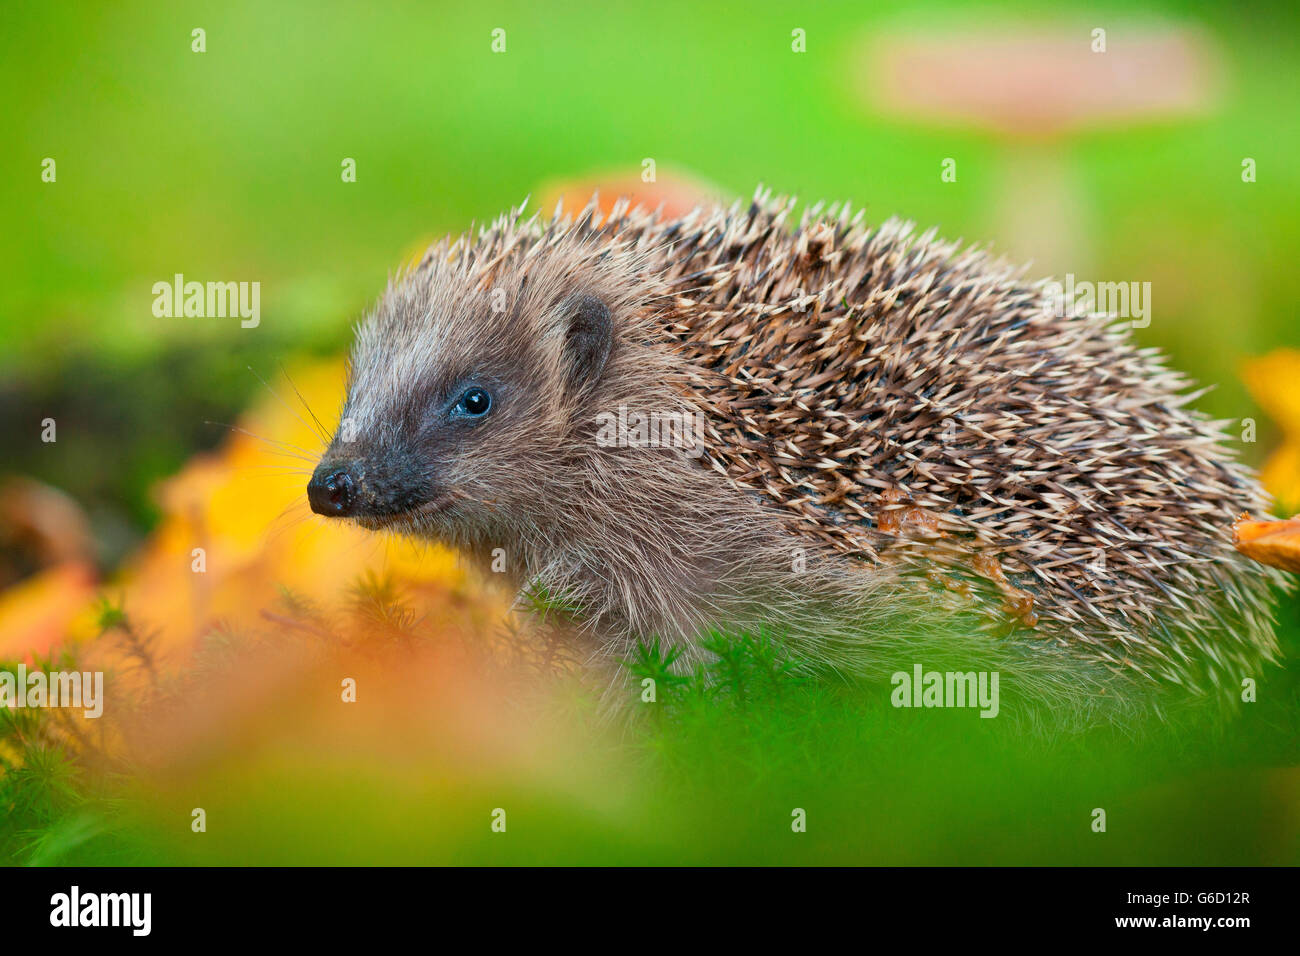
[{"x": 588, "y": 339}]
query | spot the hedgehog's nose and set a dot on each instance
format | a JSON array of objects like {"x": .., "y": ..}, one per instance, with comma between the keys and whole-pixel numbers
[{"x": 332, "y": 492}]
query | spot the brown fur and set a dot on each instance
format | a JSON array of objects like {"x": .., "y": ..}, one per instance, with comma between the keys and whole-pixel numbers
[{"x": 892, "y": 426}]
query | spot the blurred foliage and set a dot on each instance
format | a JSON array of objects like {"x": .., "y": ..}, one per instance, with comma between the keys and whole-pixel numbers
[
  {"x": 710, "y": 771},
  {"x": 1274, "y": 382}
]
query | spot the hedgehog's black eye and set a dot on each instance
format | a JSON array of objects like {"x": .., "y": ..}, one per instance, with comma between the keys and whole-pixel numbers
[{"x": 474, "y": 403}]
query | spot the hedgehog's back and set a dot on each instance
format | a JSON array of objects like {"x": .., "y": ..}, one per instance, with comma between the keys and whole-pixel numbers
[{"x": 902, "y": 401}]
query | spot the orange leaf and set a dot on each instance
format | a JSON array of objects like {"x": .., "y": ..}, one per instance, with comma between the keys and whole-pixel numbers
[{"x": 1275, "y": 543}]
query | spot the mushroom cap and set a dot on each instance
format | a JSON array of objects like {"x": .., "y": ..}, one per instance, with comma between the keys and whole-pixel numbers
[{"x": 1042, "y": 82}]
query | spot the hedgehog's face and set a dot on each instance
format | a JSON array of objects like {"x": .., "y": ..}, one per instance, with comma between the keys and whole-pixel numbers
[{"x": 457, "y": 412}]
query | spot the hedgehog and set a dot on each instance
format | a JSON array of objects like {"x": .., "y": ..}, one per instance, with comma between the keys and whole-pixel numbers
[{"x": 879, "y": 447}]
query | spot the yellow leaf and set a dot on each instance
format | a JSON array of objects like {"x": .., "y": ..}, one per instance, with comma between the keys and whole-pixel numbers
[{"x": 1274, "y": 382}]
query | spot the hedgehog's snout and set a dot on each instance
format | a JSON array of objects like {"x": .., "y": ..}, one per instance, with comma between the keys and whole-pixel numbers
[{"x": 332, "y": 491}]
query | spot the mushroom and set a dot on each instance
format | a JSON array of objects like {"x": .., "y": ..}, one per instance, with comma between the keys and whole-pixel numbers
[{"x": 1038, "y": 90}]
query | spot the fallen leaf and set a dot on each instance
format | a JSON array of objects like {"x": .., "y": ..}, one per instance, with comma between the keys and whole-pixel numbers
[{"x": 1275, "y": 543}]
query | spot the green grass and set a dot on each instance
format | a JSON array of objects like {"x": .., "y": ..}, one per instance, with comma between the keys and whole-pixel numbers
[{"x": 710, "y": 772}]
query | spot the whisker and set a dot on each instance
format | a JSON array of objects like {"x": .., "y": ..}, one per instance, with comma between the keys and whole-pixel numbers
[
  {"x": 302, "y": 453},
  {"x": 320, "y": 429},
  {"x": 286, "y": 466},
  {"x": 262, "y": 471},
  {"x": 288, "y": 520},
  {"x": 279, "y": 399}
]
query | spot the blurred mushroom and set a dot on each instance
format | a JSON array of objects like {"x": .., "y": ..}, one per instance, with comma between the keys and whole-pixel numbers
[
  {"x": 677, "y": 194},
  {"x": 40, "y": 526},
  {"x": 1037, "y": 89},
  {"x": 47, "y": 566}
]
